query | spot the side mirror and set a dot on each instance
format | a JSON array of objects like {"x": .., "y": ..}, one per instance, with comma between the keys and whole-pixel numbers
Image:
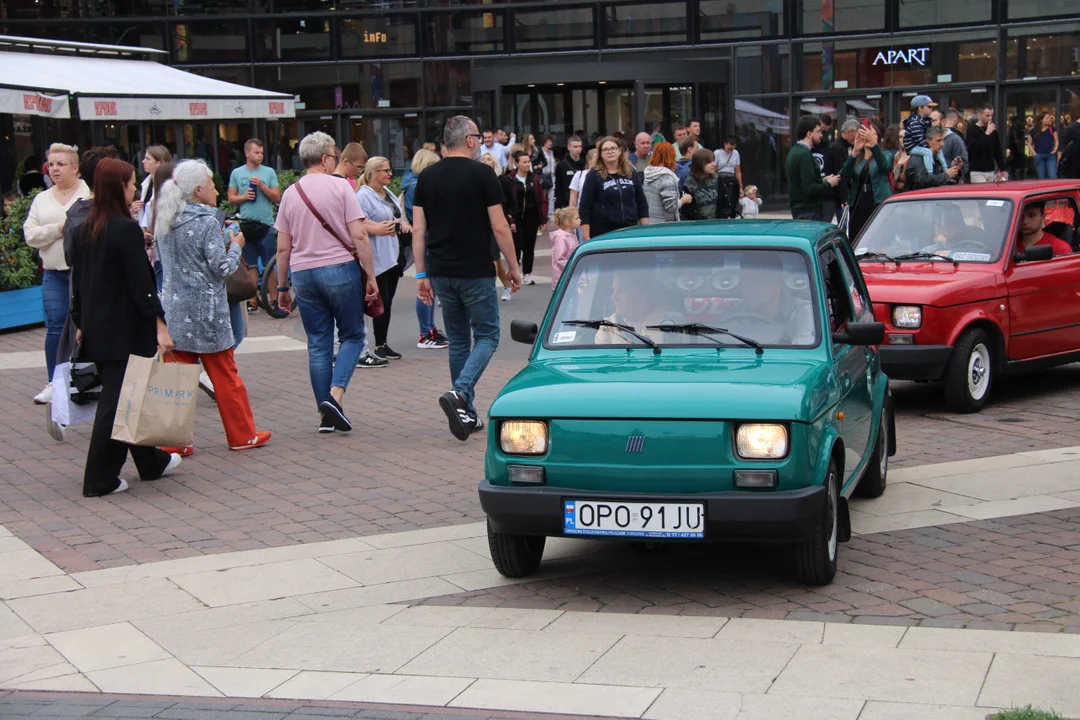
[
  {"x": 1035, "y": 252},
  {"x": 867, "y": 333},
  {"x": 523, "y": 331}
]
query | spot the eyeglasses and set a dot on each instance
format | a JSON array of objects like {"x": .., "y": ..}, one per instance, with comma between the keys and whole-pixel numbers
[
  {"x": 609, "y": 149},
  {"x": 389, "y": 171},
  {"x": 59, "y": 164},
  {"x": 478, "y": 136}
]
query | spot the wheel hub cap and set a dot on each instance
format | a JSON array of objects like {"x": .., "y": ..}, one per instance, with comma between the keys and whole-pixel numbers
[{"x": 978, "y": 371}]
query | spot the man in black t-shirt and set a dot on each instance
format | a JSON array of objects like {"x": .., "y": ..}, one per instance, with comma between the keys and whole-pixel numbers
[{"x": 457, "y": 208}]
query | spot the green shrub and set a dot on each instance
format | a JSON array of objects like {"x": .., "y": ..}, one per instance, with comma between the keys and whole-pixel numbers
[
  {"x": 287, "y": 178},
  {"x": 395, "y": 185},
  {"x": 20, "y": 264},
  {"x": 1025, "y": 713}
]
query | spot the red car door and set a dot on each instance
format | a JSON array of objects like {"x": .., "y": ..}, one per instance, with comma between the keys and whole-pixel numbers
[{"x": 1044, "y": 296}]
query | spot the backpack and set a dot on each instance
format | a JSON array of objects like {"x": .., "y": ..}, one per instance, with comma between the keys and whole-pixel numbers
[{"x": 1069, "y": 164}]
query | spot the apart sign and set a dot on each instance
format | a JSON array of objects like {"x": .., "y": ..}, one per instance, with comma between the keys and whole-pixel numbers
[{"x": 910, "y": 56}]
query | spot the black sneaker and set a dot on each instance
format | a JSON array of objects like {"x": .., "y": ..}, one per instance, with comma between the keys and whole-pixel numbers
[
  {"x": 326, "y": 424},
  {"x": 334, "y": 415},
  {"x": 457, "y": 415},
  {"x": 475, "y": 424},
  {"x": 441, "y": 340},
  {"x": 385, "y": 351},
  {"x": 371, "y": 360}
]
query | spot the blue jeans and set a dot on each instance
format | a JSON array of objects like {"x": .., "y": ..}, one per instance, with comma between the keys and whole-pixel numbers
[
  {"x": 425, "y": 315},
  {"x": 236, "y": 317},
  {"x": 56, "y": 297},
  {"x": 329, "y": 296},
  {"x": 1046, "y": 166},
  {"x": 470, "y": 310}
]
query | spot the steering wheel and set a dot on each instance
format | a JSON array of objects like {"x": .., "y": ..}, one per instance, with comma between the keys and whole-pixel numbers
[{"x": 970, "y": 246}]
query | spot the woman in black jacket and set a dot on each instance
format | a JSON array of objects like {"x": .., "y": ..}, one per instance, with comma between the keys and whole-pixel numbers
[
  {"x": 527, "y": 207},
  {"x": 613, "y": 193},
  {"x": 115, "y": 306}
]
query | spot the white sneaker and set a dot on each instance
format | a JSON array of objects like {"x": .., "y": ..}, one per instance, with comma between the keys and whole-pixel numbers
[
  {"x": 174, "y": 462},
  {"x": 55, "y": 429},
  {"x": 123, "y": 487},
  {"x": 527, "y": 280},
  {"x": 45, "y": 396},
  {"x": 506, "y": 294},
  {"x": 206, "y": 386}
]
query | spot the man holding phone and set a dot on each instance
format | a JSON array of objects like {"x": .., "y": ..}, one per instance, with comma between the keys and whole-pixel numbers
[
  {"x": 984, "y": 148},
  {"x": 253, "y": 187}
]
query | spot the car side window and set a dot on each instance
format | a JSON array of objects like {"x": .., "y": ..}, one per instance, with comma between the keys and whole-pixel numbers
[
  {"x": 837, "y": 296},
  {"x": 860, "y": 299}
]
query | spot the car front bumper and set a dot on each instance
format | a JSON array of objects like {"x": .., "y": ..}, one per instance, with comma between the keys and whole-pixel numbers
[
  {"x": 915, "y": 362},
  {"x": 774, "y": 515}
]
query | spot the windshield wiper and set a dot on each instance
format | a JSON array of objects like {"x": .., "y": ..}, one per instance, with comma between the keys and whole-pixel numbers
[
  {"x": 699, "y": 329},
  {"x": 876, "y": 256},
  {"x": 597, "y": 324},
  {"x": 922, "y": 255}
]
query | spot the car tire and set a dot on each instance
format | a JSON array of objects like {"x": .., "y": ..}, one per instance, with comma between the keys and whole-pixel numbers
[
  {"x": 970, "y": 372},
  {"x": 872, "y": 482},
  {"x": 815, "y": 557},
  {"x": 515, "y": 556}
]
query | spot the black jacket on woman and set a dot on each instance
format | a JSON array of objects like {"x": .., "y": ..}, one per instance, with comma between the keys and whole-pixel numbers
[
  {"x": 612, "y": 204},
  {"x": 113, "y": 293},
  {"x": 515, "y": 204}
]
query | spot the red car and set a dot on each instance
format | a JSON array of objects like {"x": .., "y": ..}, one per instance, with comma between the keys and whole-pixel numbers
[{"x": 975, "y": 282}]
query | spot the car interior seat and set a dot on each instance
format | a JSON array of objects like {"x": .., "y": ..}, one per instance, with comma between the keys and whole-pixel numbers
[{"x": 1063, "y": 231}]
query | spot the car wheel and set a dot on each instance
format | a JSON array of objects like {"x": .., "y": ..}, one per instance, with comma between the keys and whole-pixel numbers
[
  {"x": 815, "y": 557},
  {"x": 515, "y": 556},
  {"x": 970, "y": 372},
  {"x": 872, "y": 483}
]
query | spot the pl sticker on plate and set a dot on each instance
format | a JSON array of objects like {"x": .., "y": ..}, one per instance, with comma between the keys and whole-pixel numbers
[
  {"x": 995, "y": 203},
  {"x": 567, "y": 336}
]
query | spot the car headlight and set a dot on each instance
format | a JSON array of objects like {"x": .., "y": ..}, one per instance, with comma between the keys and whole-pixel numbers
[
  {"x": 758, "y": 441},
  {"x": 523, "y": 437},
  {"x": 907, "y": 316}
]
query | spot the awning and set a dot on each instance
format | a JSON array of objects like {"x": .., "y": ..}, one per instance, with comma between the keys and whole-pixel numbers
[
  {"x": 120, "y": 89},
  {"x": 762, "y": 118}
]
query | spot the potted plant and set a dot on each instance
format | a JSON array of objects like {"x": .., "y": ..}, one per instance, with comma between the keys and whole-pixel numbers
[{"x": 20, "y": 272}]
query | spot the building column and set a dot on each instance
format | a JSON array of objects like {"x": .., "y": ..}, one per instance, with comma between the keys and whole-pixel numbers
[{"x": 639, "y": 108}]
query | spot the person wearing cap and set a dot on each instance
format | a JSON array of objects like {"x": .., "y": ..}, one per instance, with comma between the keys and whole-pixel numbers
[
  {"x": 984, "y": 148},
  {"x": 917, "y": 123}
]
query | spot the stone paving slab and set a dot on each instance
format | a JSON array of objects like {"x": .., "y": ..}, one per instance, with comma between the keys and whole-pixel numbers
[{"x": 1010, "y": 573}]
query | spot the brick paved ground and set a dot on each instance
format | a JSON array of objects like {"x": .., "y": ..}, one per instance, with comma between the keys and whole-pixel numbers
[
  {"x": 16, "y": 704},
  {"x": 1017, "y": 573},
  {"x": 400, "y": 469}
]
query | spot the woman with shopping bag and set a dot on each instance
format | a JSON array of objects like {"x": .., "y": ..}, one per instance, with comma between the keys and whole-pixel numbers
[
  {"x": 115, "y": 307},
  {"x": 196, "y": 263}
]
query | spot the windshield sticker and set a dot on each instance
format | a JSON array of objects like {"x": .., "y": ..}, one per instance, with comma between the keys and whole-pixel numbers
[
  {"x": 995, "y": 203},
  {"x": 567, "y": 336},
  {"x": 971, "y": 256},
  {"x": 861, "y": 251}
]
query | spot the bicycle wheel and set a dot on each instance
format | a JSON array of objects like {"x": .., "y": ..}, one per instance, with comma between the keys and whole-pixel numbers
[{"x": 267, "y": 281}]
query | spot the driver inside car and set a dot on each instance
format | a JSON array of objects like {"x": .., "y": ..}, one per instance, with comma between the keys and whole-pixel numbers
[
  {"x": 1032, "y": 222},
  {"x": 950, "y": 231},
  {"x": 769, "y": 312},
  {"x": 638, "y": 302}
]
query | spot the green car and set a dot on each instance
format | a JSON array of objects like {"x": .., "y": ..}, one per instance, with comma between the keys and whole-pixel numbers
[{"x": 694, "y": 382}]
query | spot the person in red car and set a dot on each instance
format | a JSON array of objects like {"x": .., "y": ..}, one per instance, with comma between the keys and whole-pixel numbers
[{"x": 1031, "y": 231}]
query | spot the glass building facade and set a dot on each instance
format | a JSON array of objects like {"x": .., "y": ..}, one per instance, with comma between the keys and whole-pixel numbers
[{"x": 388, "y": 73}]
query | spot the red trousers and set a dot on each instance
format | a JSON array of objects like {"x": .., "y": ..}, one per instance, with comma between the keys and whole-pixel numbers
[{"x": 232, "y": 397}]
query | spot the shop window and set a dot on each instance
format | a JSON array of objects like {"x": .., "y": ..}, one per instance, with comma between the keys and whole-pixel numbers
[
  {"x": 828, "y": 16},
  {"x": 48, "y": 31},
  {"x": 446, "y": 83},
  {"x": 127, "y": 8},
  {"x": 40, "y": 10},
  {"x": 645, "y": 24},
  {"x": 237, "y": 75},
  {"x": 1047, "y": 54},
  {"x": 391, "y": 85},
  {"x": 463, "y": 33},
  {"x": 763, "y": 133},
  {"x": 216, "y": 42},
  {"x": 762, "y": 69},
  {"x": 211, "y": 7},
  {"x": 732, "y": 19},
  {"x": 345, "y": 86},
  {"x": 937, "y": 13},
  {"x": 1040, "y": 9},
  {"x": 147, "y": 35},
  {"x": 293, "y": 38},
  {"x": 554, "y": 29},
  {"x": 379, "y": 36}
]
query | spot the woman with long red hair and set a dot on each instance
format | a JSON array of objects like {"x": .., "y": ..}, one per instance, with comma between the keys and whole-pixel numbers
[{"x": 115, "y": 306}]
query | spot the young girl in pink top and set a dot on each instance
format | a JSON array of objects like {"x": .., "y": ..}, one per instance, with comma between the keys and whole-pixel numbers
[{"x": 563, "y": 241}]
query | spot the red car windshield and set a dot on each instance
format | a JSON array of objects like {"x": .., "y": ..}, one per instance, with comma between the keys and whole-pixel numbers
[{"x": 963, "y": 229}]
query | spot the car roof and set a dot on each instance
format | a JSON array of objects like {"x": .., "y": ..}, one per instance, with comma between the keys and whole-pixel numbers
[
  {"x": 1014, "y": 189},
  {"x": 795, "y": 234}
]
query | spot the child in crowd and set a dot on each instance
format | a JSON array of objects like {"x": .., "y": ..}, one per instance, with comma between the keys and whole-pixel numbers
[
  {"x": 563, "y": 241},
  {"x": 749, "y": 202},
  {"x": 918, "y": 122}
]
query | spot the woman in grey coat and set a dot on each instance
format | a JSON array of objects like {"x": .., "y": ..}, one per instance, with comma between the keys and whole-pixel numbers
[
  {"x": 662, "y": 185},
  {"x": 195, "y": 264}
]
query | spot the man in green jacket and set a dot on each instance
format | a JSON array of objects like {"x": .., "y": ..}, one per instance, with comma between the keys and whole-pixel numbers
[{"x": 806, "y": 187}]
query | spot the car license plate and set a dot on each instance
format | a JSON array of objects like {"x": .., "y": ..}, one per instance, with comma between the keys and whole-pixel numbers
[{"x": 629, "y": 519}]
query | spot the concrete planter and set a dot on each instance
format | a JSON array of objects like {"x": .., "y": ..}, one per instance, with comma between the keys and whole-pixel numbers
[{"x": 21, "y": 307}]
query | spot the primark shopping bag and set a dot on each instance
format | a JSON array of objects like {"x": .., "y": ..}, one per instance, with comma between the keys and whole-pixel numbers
[{"x": 157, "y": 403}]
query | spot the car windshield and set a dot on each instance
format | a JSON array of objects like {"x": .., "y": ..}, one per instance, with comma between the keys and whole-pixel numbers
[
  {"x": 963, "y": 229},
  {"x": 764, "y": 296}
]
